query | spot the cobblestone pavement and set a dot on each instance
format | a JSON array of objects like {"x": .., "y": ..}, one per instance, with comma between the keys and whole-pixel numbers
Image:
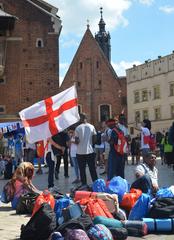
[{"x": 10, "y": 223}]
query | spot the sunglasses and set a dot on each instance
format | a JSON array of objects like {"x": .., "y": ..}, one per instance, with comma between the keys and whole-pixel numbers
[{"x": 153, "y": 157}]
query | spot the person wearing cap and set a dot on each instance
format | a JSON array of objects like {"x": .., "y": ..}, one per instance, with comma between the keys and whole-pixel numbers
[
  {"x": 123, "y": 126},
  {"x": 115, "y": 160},
  {"x": 147, "y": 174},
  {"x": 85, "y": 136},
  {"x": 145, "y": 135}
]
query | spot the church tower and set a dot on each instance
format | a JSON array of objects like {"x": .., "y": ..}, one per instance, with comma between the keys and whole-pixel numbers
[{"x": 103, "y": 37}]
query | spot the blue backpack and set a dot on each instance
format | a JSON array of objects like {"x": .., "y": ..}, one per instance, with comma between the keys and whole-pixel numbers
[{"x": 60, "y": 204}]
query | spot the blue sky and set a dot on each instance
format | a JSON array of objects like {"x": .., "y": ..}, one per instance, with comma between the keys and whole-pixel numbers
[{"x": 139, "y": 29}]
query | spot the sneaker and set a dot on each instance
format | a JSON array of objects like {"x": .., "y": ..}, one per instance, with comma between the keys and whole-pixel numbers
[{"x": 66, "y": 176}]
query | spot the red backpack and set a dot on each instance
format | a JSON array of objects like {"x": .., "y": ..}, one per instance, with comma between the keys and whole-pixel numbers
[
  {"x": 152, "y": 142},
  {"x": 121, "y": 146}
]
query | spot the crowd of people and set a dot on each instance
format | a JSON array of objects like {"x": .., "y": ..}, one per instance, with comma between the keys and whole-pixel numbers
[{"x": 81, "y": 145}]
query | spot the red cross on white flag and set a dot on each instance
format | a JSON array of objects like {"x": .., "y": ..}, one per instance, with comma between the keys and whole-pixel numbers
[{"x": 50, "y": 116}]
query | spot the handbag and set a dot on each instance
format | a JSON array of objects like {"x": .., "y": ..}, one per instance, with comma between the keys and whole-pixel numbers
[{"x": 26, "y": 203}]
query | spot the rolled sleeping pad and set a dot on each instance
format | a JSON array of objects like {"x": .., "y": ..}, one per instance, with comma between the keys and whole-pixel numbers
[
  {"x": 135, "y": 228},
  {"x": 108, "y": 222},
  {"x": 159, "y": 225}
]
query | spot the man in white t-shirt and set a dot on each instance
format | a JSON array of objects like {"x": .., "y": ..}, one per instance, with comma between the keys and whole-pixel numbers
[{"x": 84, "y": 135}]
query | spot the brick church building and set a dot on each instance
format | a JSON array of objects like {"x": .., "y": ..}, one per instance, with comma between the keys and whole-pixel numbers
[
  {"x": 101, "y": 93},
  {"x": 29, "y": 54}
]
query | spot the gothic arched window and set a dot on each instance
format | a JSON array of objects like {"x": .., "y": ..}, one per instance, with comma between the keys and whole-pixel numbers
[
  {"x": 39, "y": 43},
  {"x": 104, "y": 112}
]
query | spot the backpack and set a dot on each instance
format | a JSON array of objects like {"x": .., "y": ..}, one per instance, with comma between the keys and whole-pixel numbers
[
  {"x": 60, "y": 204},
  {"x": 152, "y": 142},
  {"x": 76, "y": 234},
  {"x": 41, "y": 225},
  {"x": 8, "y": 192},
  {"x": 98, "y": 138},
  {"x": 26, "y": 203},
  {"x": 45, "y": 197},
  {"x": 121, "y": 146},
  {"x": 99, "y": 232},
  {"x": 162, "y": 208},
  {"x": 171, "y": 136},
  {"x": 71, "y": 224}
]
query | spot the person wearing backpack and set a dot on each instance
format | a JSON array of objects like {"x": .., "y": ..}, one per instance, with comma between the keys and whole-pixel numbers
[
  {"x": 145, "y": 136},
  {"x": 116, "y": 155},
  {"x": 168, "y": 150},
  {"x": 171, "y": 140},
  {"x": 123, "y": 126}
]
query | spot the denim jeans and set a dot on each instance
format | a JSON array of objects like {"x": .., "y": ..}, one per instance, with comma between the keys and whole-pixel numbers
[
  {"x": 76, "y": 166},
  {"x": 50, "y": 164}
]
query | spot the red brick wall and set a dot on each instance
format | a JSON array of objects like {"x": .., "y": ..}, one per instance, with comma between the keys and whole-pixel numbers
[
  {"x": 31, "y": 73},
  {"x": 97, "y": 85}
]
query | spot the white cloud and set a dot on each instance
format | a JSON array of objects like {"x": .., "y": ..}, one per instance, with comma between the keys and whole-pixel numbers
[
  {"x": 146, "y": 2},
  {"x": 69, "y": 43},
  {"x": 63, "y": 69},
  {"x": 167, "y": 9},
  {"x": 64, "y": 66},
  {"x": 120, "y": 67},
  {"x": 74, "y": 14}
]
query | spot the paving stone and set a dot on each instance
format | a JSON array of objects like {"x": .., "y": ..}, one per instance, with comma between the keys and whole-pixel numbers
[{"x": 10, "y": 223}]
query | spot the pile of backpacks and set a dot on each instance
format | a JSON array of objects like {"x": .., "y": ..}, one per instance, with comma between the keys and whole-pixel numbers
[{"x": 106, "y": 211}]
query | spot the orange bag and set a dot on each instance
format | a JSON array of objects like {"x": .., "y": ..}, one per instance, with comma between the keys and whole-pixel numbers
[
  {"x": 40, "y": 149},
  {"x": 96, "y": 207},
  {"x": 129, "y": 199},
  {"x": 111, "y": 200},
  {"x": 45, "y": 197}
]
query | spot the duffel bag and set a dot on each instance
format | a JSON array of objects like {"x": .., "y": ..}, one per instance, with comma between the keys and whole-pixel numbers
[
  {"x": 96, "y": 207},
  {"x": 129, "y": 199},
  {"x": 111, "y": 200}
]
